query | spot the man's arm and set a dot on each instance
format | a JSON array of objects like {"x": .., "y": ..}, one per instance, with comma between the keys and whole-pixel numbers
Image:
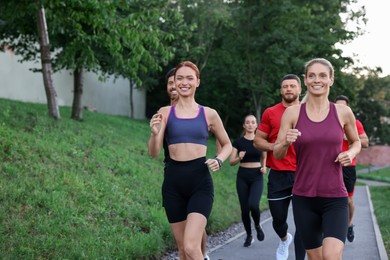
[
  {"x": 364, "y": 140},
  {"x": 260, "y": 142},
  {"x": 362, "y": 134}
]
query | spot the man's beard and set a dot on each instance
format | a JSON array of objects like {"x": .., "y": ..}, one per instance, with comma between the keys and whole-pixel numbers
[{"x": 290, "y": 99}]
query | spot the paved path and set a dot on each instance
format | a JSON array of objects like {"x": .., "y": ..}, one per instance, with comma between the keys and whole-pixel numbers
[{"x": 368, "y": 243}]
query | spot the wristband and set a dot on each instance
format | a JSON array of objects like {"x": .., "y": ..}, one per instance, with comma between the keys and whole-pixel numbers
[{"x": 219, "y": 162}]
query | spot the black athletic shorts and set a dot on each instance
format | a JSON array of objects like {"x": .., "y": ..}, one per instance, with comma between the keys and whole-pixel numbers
[
  {"x": 280, "y": 184},
  {"x": 349, "y": 175},
  {"x": 317, "y": 218},
  {"x": 187, "y": 188}
]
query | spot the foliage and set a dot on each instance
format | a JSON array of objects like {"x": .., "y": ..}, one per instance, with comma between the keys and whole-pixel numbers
[
  {"x": 122, "y": 38},
  {"x": 88, "y": 190},
  {"x": 373, "y": 108},
  {"x": 250, "y": 45},
  {"x": 127, "y": 38},
  {"x": 243, "y": 48}
]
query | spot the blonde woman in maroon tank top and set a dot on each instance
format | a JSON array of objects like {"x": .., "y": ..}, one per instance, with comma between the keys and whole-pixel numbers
[{"x": 315, "y": 128}]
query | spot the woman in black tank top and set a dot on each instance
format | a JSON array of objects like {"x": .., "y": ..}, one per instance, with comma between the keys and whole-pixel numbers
[{"x": 249, "y": 182}]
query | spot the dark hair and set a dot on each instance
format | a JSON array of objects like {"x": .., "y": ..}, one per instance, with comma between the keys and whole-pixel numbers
[
  {"x": 290, "y": 76},
  {"x": 190, "y": 65},
  {"x": 342, "y": 97},
  {"x": 170, "y": 73}
]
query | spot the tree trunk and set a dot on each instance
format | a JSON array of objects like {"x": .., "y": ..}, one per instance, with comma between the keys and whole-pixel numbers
[
  {"x": 131, "y": 99},
  {"x": 51, "y": 94},
  {"x": 258, "y": 113},
  {"x": 77, "y": 111}
]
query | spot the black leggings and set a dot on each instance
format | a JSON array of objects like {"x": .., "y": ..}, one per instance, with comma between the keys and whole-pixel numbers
[
  {"x": 317, "y": 218},
  {"x": 249, "y": 186},
  {"x": 280, "y": 184},
  {"x": 279, "y": 211},
  {"x": 187, "y": 188}
]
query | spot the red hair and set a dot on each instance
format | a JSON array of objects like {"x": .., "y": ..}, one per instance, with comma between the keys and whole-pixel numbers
[{"x": 190, "y": 65}]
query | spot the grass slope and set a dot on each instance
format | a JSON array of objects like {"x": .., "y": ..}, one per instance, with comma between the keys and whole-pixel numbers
[{"x": 88, "y": 189}]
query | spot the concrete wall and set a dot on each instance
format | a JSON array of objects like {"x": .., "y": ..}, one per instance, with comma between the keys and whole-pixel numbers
[{"x": 17, "y": 82}]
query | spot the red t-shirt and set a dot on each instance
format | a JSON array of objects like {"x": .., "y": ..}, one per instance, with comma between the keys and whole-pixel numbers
[
  {"x": 270, "y": 124},
  {"x": 360, "y": 130}
]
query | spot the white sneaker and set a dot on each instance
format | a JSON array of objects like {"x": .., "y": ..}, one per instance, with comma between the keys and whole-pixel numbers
[
  {"x": 282, "y": 251},
  {"x": 206, "y": 257}
]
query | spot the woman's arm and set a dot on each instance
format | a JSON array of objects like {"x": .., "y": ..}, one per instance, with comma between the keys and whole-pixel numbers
[
  {"x": 157, "y": 129},
  {"x": 263, "y": 160},
  {"x": 217, "y": 128},
  {"x": 349, "y": 123},
  {"x": 234, "y": 158}
]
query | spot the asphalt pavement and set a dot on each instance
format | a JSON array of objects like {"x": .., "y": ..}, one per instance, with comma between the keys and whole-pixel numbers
[{"x": 368, "y": 243}]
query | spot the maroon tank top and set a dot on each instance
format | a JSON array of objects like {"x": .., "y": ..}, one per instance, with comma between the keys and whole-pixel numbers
[{"x": 317, "y": 148}]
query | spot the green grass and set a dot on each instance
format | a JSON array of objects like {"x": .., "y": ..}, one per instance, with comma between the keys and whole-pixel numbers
[
  {"x": 72, "y": 190},
  {"x": 376, "y": 175},
  {"x": 379, "y": 197}
]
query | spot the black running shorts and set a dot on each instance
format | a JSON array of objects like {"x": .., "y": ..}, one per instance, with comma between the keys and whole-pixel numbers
[
  {"x": 349, "y": 176},
  {"x": 187, "y": 188}
]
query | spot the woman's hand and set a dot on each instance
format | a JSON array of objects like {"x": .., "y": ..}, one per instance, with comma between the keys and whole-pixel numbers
[
  {"x": 241, "y": 155},
  {"x": 291, "y": 136},
  {"x": 213, "y": 164},
  {"x": 155, "y": 123},
  {"x": 345, "y": 158}
]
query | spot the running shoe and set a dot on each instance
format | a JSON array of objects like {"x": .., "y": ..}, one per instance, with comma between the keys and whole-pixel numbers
[
  {"x": 350, "y": 234},
  {"x": 282, "y": 251},
  {"x": 260, "y": 233},
  {"x": 248, "y": 241}
]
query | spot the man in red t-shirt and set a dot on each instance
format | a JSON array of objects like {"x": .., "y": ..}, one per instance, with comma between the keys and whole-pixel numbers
[
  {"x": 281, "y": 174},
  {"x": 349, "y": 172}
]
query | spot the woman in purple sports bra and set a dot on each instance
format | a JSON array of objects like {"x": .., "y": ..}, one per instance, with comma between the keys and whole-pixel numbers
[
  {"x": 188, "y": 190},
  {"x": 316, "y": 129}
]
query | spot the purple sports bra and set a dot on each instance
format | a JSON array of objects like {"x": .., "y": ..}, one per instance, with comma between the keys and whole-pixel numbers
[{"x": 187, "y": 130}]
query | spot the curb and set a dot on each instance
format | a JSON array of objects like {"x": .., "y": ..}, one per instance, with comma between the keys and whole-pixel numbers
[{"x": 378, "y": 236}]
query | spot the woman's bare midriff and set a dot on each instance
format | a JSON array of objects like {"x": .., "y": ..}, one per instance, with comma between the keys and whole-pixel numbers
[
  {"x": 250, "y": 164},
  {"x": 186, "y": 151}
]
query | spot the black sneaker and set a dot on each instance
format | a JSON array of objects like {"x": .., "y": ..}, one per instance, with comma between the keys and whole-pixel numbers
[
  {"x": 248, "y": 241},
  {"x": 260, "y": 233},
  {"x": 350, "y": 234}
]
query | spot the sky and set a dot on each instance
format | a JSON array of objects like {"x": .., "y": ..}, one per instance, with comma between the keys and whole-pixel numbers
[{"x": 373, "y": 48}]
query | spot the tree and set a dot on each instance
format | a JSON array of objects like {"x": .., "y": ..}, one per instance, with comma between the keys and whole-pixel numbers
[
  {"x": 270, "y": 39},
  {"x": 373, "y": 106},
  {"x": 46, "y": 64},
  {"x": 158, "y": 39},
  {"x": 7, "y": 32},
  {"x": 106, "y": 37},
  {"x": 255, "y": 43}
]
